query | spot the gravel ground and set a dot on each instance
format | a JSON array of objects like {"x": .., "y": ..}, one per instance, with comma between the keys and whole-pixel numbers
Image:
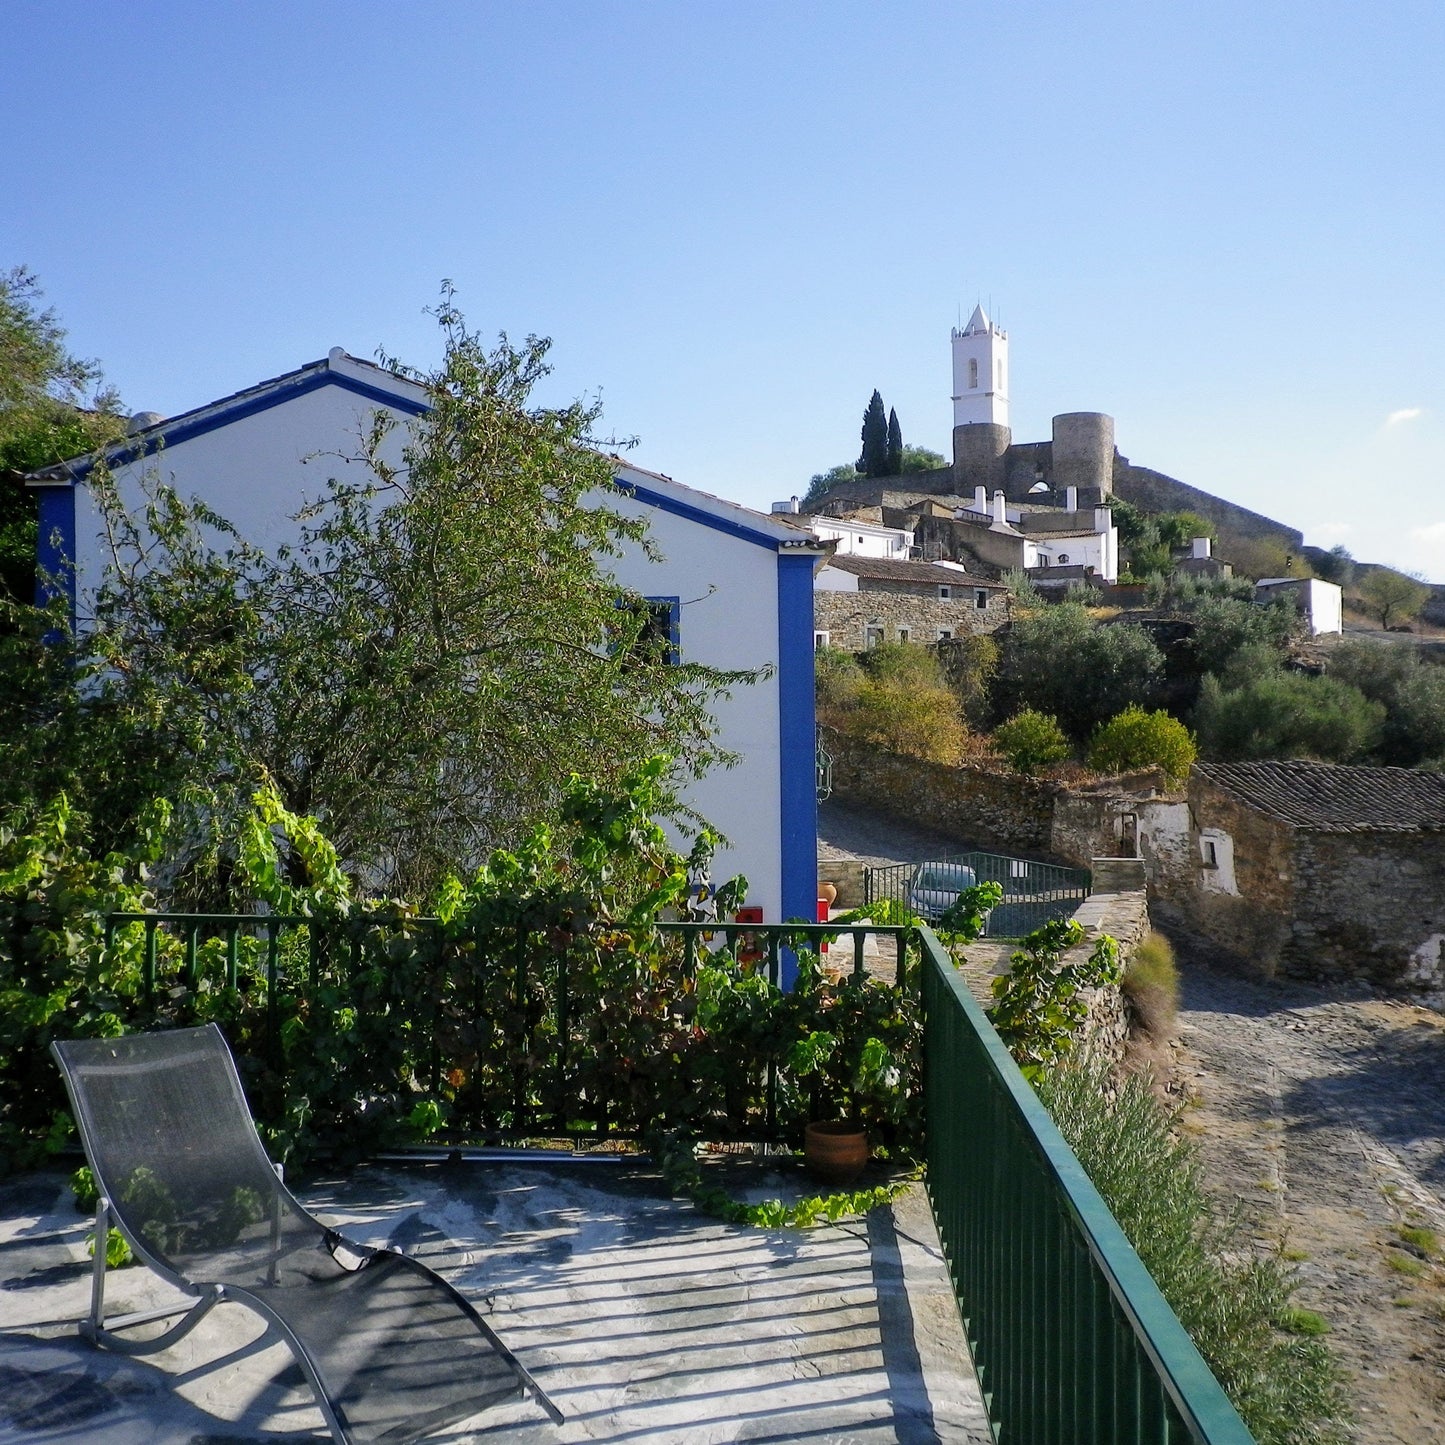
[{"x": 1323, "y": 1113}]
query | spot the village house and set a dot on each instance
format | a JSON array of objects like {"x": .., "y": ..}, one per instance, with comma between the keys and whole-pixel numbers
[
  {"x": 1320, "y": 870},
  {"x": 859, "y": 602},
  {"x": 737, "y": 585}
]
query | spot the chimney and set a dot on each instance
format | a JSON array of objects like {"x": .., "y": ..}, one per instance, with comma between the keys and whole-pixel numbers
[
  {"x": 980, "y": 499},
  {"x": 1000, "y": 511},
  {"x": 1200, "y": 547},
  {"x": 1071, "y": 499},
  {"x": 791, "y": 505}
]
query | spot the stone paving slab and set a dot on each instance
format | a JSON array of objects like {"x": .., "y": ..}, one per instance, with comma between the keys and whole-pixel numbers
[{"x": 644, "y": 1319}]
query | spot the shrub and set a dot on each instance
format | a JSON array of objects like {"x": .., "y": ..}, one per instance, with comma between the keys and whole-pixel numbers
[
  {"x": 1287, "y": 715},
  {"x": 1139, "y": 739},
  {"x": 1151, "y": 984},
  {"x": 1412, "y": 693},
  {"x": 1235, "y": 1304},
  {"x": 838, "y": 678},
  {"x": 896, "y": 700},
  {"x": 1031, "y": 740},
  {"x": 1060, "y": 661},
  {"x": 1223, "y": 626}
]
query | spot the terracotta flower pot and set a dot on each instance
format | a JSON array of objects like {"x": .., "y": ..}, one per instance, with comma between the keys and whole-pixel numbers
[
  {"x": 828, "y": 893},
  {"x": 836, "y": 1151}
]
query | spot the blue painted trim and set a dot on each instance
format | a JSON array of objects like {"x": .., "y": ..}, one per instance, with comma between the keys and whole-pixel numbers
[
  {"x": 55, "y": 547},
  {"x": 674, "y": 626},
  {"x": 183, "y": 431},
  {"x": 797, "y": 745},
  {"x": 727, "y": 525}
]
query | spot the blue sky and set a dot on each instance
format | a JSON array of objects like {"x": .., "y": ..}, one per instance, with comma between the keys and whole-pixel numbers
[{"x": 1223, "y": 224}]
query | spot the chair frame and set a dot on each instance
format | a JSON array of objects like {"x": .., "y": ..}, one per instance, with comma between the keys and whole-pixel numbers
[{"x": 105, "y": 1334}]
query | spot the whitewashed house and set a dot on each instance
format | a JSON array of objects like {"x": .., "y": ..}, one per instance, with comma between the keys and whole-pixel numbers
[{"x": 739, "y": 584}]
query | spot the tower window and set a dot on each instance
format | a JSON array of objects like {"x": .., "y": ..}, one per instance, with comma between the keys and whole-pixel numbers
[
  {"x": 1000, "y": 375},
  {"x": 972, "y": 371}
]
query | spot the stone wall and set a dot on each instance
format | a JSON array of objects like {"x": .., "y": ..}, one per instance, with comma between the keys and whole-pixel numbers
[
  {"x": 1244, "y": 901},
  {"x": 1124, "y": 916},
  {"x": 1371, "y": 906},
  {"x": 1154, "y": 492},
  {"x": 978, "y": 808},
  {"x": 846, "y": 875},
  {"x": 844, "y": 616}
]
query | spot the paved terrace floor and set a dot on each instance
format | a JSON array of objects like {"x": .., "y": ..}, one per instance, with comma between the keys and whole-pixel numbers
[{"x": 644, "y": 1319}]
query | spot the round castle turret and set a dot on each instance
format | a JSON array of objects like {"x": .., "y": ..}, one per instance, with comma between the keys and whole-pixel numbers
[
  {"x": 1083, "y": 451},
  {"x": 980, "y": 455}
]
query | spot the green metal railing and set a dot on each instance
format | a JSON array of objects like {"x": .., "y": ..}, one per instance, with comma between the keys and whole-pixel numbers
[
  {"x": 1071, "y": 1339},
  {"x": 1033, "y": 893},
  {"x": 461, "y": 981}
]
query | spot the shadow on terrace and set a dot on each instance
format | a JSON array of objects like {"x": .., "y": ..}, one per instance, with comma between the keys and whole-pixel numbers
[{"x": 644, "y": 1317}]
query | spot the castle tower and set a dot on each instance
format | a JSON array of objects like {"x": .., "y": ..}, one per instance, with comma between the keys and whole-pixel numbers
[{"x": 980, "y": 372}]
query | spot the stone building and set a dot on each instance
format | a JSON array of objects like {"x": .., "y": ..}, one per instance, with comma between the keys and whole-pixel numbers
[
  {"x": 1321, "y": 870},
  {"x": 859, "y": 602}
]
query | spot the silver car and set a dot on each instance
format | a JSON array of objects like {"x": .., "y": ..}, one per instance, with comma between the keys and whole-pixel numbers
[{"x": 934, "y": 888}]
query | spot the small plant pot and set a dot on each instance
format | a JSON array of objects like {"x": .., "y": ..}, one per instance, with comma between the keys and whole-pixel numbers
[
  {"x": 835, "y": 1152},
  {"x": 827, "y": 893}
]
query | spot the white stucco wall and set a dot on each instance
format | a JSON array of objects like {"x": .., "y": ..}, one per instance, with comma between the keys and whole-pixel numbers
[
  {"x": 258, "y": 470},
  {"x": 834, "y": 579},
  {"x": 863, "y": 539},
  {"x": 728, "y": 590}
]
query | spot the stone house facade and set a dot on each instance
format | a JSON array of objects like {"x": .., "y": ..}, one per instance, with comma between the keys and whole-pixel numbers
[
  {"x": 859, "y": 602},
  {"x": 1321, "y": 871}
]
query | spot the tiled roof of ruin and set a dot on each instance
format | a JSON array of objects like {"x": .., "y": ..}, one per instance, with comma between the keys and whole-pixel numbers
[
  {"x": 1330, "y": 798},
  {"x": 887, "y": 569}
]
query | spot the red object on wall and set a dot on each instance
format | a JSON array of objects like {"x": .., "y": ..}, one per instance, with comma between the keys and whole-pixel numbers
[
  {"x": 748, "y": 915},
  {"x": 823, "y": 909}
]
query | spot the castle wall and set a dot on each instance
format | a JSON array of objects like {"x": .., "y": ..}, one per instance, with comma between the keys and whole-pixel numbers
[
  {"x": 1154, "y": 492},
  {"x": 1083, "y": 451}
]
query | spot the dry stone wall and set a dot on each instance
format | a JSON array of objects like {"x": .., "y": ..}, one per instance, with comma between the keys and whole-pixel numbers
[
  {"x": 846, "y": 616},
  {"x": 981, "y": 809}
]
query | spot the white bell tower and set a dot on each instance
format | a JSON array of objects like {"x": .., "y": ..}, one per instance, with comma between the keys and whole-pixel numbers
[{"x": 980, "y": 372}]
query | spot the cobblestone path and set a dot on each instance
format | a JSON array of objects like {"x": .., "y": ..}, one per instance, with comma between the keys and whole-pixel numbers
[{"x": 1323, "y": 1112}]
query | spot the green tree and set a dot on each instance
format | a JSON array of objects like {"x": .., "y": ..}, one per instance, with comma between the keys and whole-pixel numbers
[
  {"x": 428, "y": 663},
  {"x": 873, "y": 460},
  {"x": 1139, "y": 739},
  {"x": 1411, "y": 691},
  {"x": 821, "y": 483},
  {"x": 920, "y": 459},
  {"x": 1392, "y": 596},
  {"x": 1058, "y": 660},
  {"x": 895, "y": 444},
  {"x": 1225, "y": 625},
  {"x": 1031, "y": 740},
  {"x": 1287, "y": 715},
  {"x": 52, "y": 406},
  {"x": 1337, "y": 566}
]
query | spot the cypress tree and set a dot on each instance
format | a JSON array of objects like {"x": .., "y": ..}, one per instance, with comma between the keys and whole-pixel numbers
[
  {"x": 895, "y": 444},
  {"x": 874, "y": 460}
]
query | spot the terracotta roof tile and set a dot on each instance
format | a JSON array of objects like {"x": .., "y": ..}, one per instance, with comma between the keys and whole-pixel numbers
[
  {"x": 1330, "y": 798},
  {"x": 887, "y": 569}
]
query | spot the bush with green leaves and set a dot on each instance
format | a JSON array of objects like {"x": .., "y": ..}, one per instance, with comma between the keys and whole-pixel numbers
[
  {"x": 1235, "y": 1303},
  {"x": 897, "y": 701},
  {"x": 1139, "y": 739},
  {"x": 1060, "y": 660},
  {"x": 1287, "y": 715},
  {"x": 1411, "y": 691},
  {"x": 1030, "y": 740},
  {"x": 534, "y": 995}
]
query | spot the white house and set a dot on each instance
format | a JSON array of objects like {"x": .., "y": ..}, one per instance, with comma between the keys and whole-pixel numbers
[
  {"x": 850, "y": 536},
  {"x": 1321, "y": 604},
  {"x": 739, "y": 583}
]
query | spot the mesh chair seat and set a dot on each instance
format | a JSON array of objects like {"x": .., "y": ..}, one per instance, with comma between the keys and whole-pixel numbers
[{"x": 391, "y": 1350}]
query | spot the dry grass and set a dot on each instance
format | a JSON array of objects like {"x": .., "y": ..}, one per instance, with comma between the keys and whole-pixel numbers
[{"x": 1151, "y": 984}]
